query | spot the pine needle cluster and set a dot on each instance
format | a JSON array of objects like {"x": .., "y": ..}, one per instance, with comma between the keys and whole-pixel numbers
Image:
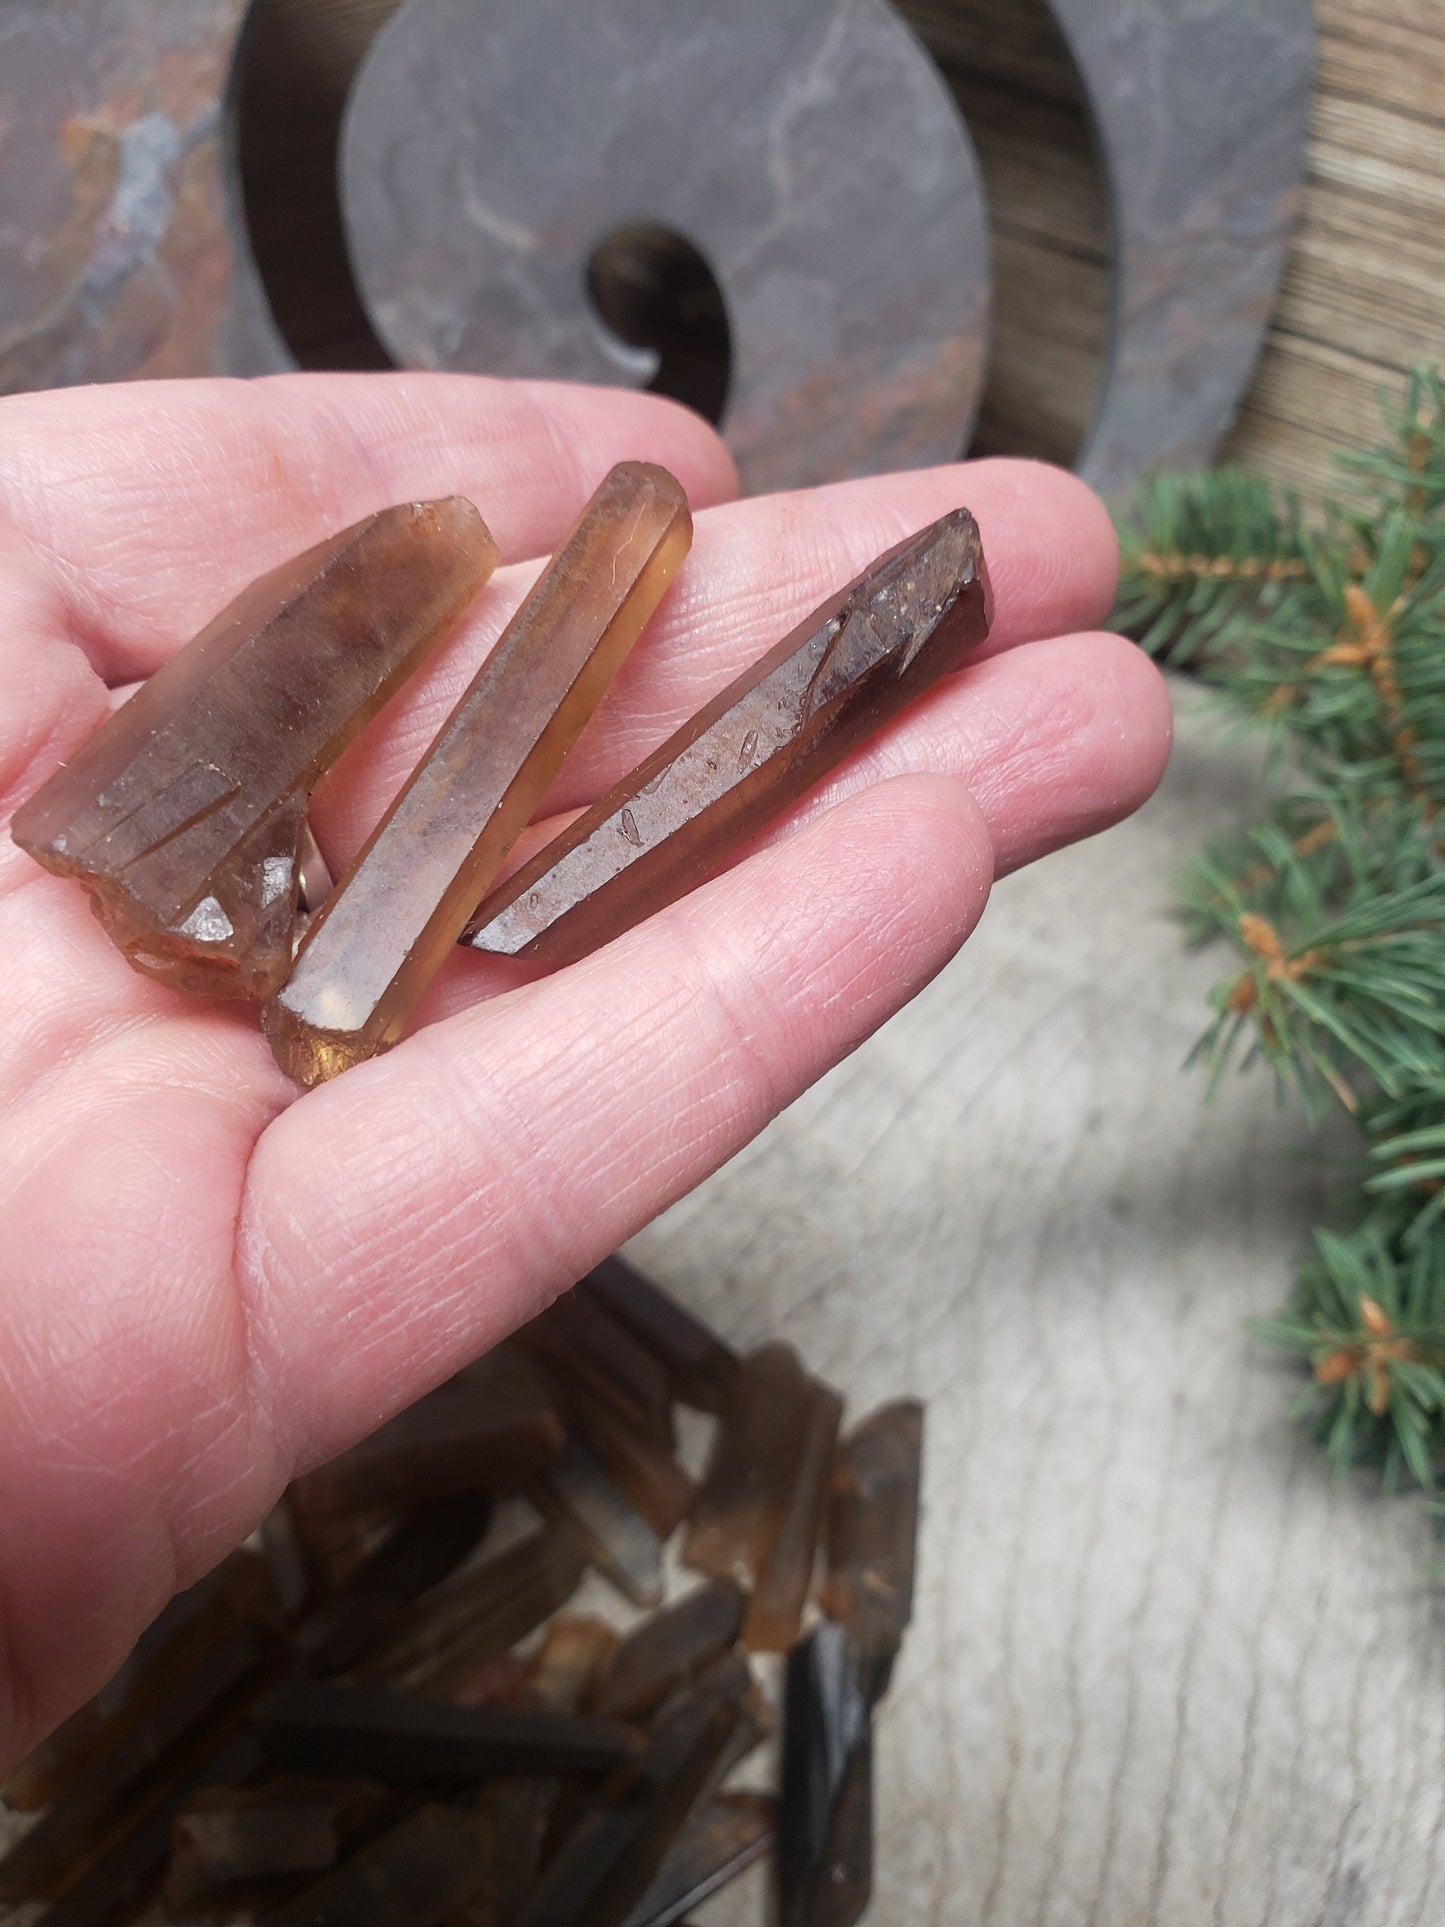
[{"x": 1329, "y": 635}]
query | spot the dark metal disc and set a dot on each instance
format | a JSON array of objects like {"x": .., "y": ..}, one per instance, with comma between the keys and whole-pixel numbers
[{"x": 808, "y": 148}]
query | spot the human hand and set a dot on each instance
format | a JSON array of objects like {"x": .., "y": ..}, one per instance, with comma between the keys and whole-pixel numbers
[{"x": 209, "y": 1281}]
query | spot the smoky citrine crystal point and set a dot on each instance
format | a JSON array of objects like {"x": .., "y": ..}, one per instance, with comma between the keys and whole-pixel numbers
[
  {"x": 912, "y": 616},
  {"x": 872, "y": 1536},
  {"x": 383, "y": 934},
  {"x": 185, "y": 814},
  {"x": 750, "y": 1473},
  {"x": 785, "y": 1571}
]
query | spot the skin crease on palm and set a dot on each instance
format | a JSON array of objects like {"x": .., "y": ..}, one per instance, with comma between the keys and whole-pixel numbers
[{"x": 209, "y": 1281}]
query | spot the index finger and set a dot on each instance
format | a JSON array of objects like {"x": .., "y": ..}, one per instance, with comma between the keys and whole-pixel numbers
[
  {"x": 153, "y": 503},
  {"x": 130, "y": 515}
]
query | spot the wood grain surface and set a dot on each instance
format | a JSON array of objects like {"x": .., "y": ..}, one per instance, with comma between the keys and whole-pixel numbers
[
  {"x": 1164, "y": 1671},
  {"x": 1362, "y": 298}
]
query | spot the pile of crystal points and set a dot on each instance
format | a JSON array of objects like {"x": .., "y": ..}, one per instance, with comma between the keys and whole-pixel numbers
[
  {"x": 186, "y": 814},
  {"x": 392, "y": 1709}
]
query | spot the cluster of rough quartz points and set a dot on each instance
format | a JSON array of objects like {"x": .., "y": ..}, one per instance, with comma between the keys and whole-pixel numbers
[
  {"x": 390, "y": 1715},
  {"x": 186, "y": 814}
]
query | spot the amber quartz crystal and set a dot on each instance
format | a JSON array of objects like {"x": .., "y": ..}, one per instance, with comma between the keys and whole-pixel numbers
[
  {"x": 785, "y": 1569},
  {"x": 750, "y": 1473},
  {"x": 912, "y": 616},
  {"x": 185, "y": 814},
  {"x": 589, "y": 1357},
  {"x": 700, "y": 1368},
  {"x": 488, "y": 1428},
  {"x": 572, "y": 1659},
  {"x": 318, "y": 1728},
  {"x": 668, "y": 1649},
  {"x": 644, "y": 1471},
  {"x": 872, "y": 1536},
  {"x": 463, "y": 1627},
  {"x": 384, "y": 932}
]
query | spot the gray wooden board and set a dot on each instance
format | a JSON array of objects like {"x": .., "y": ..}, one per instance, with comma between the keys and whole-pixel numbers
[{"x": 1163, "y": 1668}]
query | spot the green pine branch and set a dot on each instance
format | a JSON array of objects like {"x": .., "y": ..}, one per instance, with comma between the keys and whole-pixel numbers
[{"x": 1330, "y": 637}]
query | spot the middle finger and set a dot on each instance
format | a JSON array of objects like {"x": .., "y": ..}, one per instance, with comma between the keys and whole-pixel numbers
[{"x": 757, "y": 567}]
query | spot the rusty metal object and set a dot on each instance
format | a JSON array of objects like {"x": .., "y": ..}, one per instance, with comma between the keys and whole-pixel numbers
[
  {"x": 123, "y": 255},
  {"x": 808, "y": 147},
  {"x": 687, "y": 810},
  {"x": 1201, "y": 107}
]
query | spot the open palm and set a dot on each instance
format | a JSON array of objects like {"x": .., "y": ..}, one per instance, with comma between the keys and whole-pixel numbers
[{"x": 208, "y": 1280}]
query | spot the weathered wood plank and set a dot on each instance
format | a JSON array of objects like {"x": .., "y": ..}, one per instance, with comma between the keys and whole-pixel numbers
[
  {"x": 1164, "y": 1671},
  {"x": 1362, "y": 298}
]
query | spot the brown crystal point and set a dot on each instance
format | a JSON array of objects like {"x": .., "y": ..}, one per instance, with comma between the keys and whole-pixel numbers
[
  {"x": 385, "y": 930},
  {"x": 721, "y": 1840},
  {"x": 422, "y": 1550},
  {"x": 912, "y": 616},
  {"x": 574, "y": 1656},
  {"x": 620, "y": 1542},
  {"x": 415, "y": 1875},
  {"x": 183, "y": 815},
  {"x": 667, "y": 1650},
  {"x": 614, "y": 1853},
  {"x": 749, "y": 1474},
  {"x": 644, "y": 1472},
  {"x": 775, "y": 1611},
  {"x": 699, "y": 1366},
  {"x": 225, "y": 1842},
  {"x": 873, "y": 1534},
  {"x": 313, "y": 1726},
  {"x": 590, "y": 1356},
  {"x": 459, "y": 1630}
]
